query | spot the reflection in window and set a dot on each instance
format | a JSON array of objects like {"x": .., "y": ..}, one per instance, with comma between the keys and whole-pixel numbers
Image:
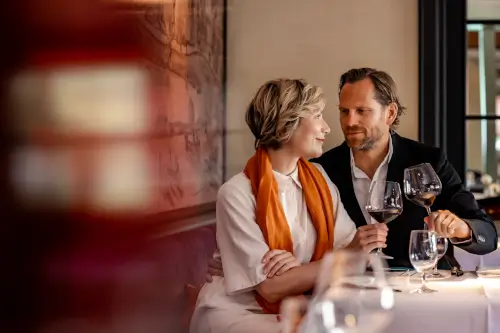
[{"x": 483, "y": 109}]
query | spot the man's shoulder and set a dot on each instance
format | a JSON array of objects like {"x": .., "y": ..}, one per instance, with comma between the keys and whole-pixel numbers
[
  {"x": 331, "y": 154},
  {"x": 416, "y": 147}
]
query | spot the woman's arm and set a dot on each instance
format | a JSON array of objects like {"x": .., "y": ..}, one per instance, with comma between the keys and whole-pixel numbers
[
  {"x": 303, "y": 278},
  {"x": 295, "y": 281},
  {"x": 243, "y": 248}
]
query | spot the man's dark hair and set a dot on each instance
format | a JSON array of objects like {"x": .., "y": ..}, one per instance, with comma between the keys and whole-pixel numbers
[{"x": 385, "y": 88}]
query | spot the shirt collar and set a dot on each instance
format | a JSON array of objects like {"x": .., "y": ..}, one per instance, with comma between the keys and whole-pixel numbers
[
  {"x": 357, "y": 173},
  {"x": 285, "y": 179}
]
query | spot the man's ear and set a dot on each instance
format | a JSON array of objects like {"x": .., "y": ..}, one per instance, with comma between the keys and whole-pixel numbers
[{"x": 392, "y": 113}]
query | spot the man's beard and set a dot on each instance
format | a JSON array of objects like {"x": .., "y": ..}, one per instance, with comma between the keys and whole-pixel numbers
[{"x": 367, "y": 144}]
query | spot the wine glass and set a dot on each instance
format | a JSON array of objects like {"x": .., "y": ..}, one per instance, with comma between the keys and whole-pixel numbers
[
  {"x": 442, "y": 247},
  {"x": 351, "y": 294},
  {"x": 422, "y": 185},
  {"x": 385, "y": 203},
  {"x": 423, "y": 255}
]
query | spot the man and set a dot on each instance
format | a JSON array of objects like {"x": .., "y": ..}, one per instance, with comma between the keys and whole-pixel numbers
[{"x": 369, "y": 111}]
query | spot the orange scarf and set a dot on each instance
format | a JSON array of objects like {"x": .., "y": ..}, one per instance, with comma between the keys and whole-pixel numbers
[{"x": 271, "y": 217}]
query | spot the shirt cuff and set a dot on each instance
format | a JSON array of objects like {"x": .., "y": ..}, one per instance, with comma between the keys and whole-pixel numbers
[{"x": 455, "y": 241}]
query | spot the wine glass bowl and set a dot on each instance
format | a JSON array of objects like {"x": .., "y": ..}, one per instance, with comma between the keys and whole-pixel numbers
[
  {"x": 385, "y": 203},
  {"x": 351, "y": 294},
  {"x": 442, "y": 247},
  {"x": 422, "y": 185},
  {"x": 423, "y": 252}
]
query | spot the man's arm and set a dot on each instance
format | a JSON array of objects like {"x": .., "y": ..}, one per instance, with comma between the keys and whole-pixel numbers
[{"x": 455, "y": 198}]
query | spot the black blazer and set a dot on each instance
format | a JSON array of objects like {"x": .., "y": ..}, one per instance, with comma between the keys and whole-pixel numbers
[{"x": 454, "y": 197}]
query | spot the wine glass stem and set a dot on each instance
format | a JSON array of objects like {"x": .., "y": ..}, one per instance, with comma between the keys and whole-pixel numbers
[
  {"x": 379, "y": 250},
  {"x": 422, "y": 278},
  {"x": 435, "y": 271},
  {"x": 428, "y": 208}
]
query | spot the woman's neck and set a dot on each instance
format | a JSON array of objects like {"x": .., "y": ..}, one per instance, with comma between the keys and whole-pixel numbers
[{"x": 283, "y": 161}]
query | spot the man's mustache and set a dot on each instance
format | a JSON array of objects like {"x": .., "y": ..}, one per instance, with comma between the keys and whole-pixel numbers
[{"x": 354, "y": 129}]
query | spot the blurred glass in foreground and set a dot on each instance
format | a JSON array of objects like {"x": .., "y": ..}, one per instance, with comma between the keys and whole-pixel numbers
[{"x": 352, "y": 295}]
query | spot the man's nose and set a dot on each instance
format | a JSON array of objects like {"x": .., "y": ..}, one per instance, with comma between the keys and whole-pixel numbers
[{"x": 351, "y": 118}]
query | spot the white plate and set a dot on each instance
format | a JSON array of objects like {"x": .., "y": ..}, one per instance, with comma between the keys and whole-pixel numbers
[
  {"x": 362, "y": 281},
  {"x": 488, "y": 271}
]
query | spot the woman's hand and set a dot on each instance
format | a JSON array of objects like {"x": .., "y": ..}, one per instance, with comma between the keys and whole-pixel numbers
[{"x": 277, "y": 262}]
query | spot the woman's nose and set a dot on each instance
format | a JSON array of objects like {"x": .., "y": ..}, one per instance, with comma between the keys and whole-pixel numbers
[{"x": 326, "y": 128}]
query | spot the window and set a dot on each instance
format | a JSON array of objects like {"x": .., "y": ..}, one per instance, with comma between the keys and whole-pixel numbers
[{"x": 483, "y": 106}]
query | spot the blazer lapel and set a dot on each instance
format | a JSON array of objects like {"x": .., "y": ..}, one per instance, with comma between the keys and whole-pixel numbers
[
  {"x": 395, "y": 171},
  {"x": 346, "y": 189},
  {"x": 399, "y": 161}
]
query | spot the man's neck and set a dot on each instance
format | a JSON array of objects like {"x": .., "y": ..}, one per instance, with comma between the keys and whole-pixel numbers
[{"x": 369, "y": 160}]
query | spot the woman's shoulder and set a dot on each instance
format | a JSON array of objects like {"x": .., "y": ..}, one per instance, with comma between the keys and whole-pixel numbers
[
  {"x": 319, "y": 167},
  {"x": 238, "y": 185},
  {"x": 323, "y": 173},
  {"x": 331, "y": 185}
]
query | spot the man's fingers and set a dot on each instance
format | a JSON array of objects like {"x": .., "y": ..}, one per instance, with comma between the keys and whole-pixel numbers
[
  {"x": 431, "y": 220},
  {"x": 445, "y": 227},
  {"x": 208, "y": 278},
  {"x": 215, "y": 263},
  {"x": 215, "y": 272}
]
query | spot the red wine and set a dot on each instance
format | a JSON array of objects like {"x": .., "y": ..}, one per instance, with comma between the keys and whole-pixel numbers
[
  {"x": 384, "y": 215},
  {"x": 425, "y": 199}
]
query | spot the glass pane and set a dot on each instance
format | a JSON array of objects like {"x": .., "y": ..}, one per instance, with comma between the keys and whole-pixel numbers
[
  {"x": 483, "y": 66},
  {"x": 483, "y": 155},
  {"x": 483, "y": 99}
]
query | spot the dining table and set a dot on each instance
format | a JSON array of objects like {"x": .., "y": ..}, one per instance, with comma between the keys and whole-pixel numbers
[
  {"x": 461, "y": 304},
  {"x": 469, "y": 261}
]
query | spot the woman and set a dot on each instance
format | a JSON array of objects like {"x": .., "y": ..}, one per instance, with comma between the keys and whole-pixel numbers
[{"x": 277, "y": 218}]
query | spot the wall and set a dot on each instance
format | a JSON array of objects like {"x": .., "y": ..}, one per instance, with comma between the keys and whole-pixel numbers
[
  {"x": 483, "y": 9},
  {"x": 317, "y": 40}
]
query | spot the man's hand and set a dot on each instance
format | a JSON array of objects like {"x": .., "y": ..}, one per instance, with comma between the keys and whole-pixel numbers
[
  {"x": 277, "y": 262},
  {"x": 369, "y": 237},
  {"x": 214, "y": 269},
  {"x": 446, "y": 224}
]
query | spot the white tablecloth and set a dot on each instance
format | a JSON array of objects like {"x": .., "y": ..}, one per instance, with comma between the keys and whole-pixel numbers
[
  {"x": 462, "y": 305},
  {"x": 469, "y": 261}
]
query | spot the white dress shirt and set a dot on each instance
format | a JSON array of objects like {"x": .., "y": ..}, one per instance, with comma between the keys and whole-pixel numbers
[
  {"x": 229, "y": 302},
  {"x": 361, "y": 182}
]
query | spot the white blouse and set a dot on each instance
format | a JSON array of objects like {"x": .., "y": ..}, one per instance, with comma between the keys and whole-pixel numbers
[{"x": 242, "y": 247}]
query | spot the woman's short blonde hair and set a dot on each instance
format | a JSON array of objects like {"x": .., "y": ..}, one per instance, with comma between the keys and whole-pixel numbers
[{"x": 275, "y": 111}]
